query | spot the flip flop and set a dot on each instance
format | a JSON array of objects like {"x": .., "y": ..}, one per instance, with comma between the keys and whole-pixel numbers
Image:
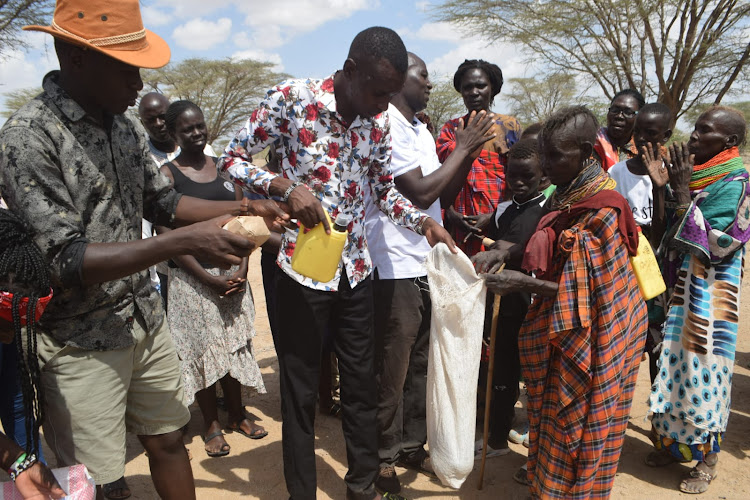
[
  {"x": 119, "y": 485},
  {"x": 257, "y": 433},
  {"x": 214, "y": 454}
]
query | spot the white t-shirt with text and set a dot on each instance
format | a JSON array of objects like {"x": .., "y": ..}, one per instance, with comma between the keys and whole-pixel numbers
[{"x": 637, "y": 190}]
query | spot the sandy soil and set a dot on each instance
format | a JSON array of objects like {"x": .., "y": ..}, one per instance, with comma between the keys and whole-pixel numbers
[{"x": 254, "y": 468}]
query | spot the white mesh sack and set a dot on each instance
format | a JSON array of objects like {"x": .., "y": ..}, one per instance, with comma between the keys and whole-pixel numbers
[{"x": 458, "y": 299}]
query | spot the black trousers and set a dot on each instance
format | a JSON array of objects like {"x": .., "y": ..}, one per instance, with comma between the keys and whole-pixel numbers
[
  {"x": 269, "y": 267},
  {"x": 302, "y": 317},
  {"x": 402, "y": 344},
  {"x": 507, "y": 372}
]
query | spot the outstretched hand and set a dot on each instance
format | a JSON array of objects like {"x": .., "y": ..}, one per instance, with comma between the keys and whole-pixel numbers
[
  {"x": 274, "y": 213},
  {"x": 504, "y": 282},
  {"x": 680, "y": 170},
  {"x": 655, "y": 164},
  {"x": 489, "y": 261},
  {"x": 435, "y": 233},
  {"x": 476, "y": 132},
  {"x": 210, "y": 243},
  {"x": 38, "y": 482}
]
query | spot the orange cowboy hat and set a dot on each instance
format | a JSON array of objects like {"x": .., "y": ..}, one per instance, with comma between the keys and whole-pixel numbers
[{"x": 112, "y": 27}]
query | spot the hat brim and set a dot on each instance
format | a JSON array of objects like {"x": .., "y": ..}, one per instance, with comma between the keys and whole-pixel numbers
[{"x": 155, "y": 55}]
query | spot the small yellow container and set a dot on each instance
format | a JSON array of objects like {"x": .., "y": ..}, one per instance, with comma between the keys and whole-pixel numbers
[
  {"x": 647, "y": 270},
  {"x": 317, "y": 254}
]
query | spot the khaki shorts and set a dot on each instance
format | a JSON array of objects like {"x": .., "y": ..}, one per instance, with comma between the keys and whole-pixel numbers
[{"x": 93, "y": 396}]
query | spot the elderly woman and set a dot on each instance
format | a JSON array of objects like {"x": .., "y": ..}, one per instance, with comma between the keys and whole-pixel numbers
[
  {"x": 582, "y": 339},
  {"x": 703, "y": 251},
  {"x": 478, "y": 82},
  {"x": 614, "y": 143}
]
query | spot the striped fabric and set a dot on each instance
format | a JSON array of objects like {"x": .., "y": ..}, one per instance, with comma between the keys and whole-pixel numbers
[{"x": 580, "y": 353}]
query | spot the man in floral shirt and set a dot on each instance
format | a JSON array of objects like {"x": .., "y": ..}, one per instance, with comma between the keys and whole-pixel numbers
[{"x": 333, "y": 139}]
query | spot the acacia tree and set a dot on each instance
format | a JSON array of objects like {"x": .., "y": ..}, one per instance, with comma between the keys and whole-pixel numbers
[
  {"x": 445, "y": 103},
  {"x": 681, "y": 51},
  {"x": 14, "y": 14},
  {"x": 17, "y": 98},
  {"x": 226, "y": 90},
  {"x": 534, "y": 99}
]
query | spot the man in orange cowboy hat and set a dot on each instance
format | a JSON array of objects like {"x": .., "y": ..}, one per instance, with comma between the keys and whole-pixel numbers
[{"x": 76, "y": 169}]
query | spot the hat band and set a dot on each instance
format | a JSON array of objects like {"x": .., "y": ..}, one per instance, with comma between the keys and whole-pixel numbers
[{"x": 105, "y": 41}]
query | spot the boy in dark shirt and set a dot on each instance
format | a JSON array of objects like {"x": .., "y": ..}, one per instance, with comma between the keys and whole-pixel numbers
[{"x": 511, "y": 226}]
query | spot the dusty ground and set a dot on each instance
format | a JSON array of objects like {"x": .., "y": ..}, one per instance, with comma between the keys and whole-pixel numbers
[{"x": 254, "y": 468}]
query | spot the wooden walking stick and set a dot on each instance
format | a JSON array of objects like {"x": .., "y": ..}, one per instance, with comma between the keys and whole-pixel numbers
[{"x": 490, "y": 372}]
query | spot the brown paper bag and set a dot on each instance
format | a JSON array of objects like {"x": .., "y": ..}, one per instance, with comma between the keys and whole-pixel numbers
[{"x": 251, "y": 227}]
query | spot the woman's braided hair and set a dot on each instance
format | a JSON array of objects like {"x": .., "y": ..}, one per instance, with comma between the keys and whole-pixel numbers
[{"x": 23, "y": 272}]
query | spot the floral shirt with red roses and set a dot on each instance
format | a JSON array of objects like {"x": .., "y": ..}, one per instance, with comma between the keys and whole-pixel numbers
[{"x": 337, "y": 162}]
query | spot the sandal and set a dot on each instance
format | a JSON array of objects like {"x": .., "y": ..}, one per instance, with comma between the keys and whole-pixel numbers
[
  {"x": 256, "y": 432},
  {"x": 110, "y": 490},
  {"x": 224, "y": 451},
  {"x": 659, "y": 458},
  {"x": 698, "y": 479}
]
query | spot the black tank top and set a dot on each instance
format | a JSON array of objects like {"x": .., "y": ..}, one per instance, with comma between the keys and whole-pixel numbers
[{"x": 216, "y": 190}]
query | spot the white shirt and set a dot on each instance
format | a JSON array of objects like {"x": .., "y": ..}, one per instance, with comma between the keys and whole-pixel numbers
[
  {"x": 637, "y": 190},
  {"x": 396, "y": 252}
]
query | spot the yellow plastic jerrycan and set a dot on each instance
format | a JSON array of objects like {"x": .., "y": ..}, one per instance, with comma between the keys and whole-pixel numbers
[
  {"x": 317, "y": 254},
  {"x": 647, "y": 270}
]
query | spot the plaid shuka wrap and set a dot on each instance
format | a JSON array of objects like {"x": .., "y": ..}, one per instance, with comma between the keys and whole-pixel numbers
[
  {"x": 580, "y": 353},
  {"x": 485, "y": 183}
]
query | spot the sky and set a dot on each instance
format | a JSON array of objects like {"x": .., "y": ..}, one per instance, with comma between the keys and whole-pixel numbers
[{"x": 307, "y": 38}]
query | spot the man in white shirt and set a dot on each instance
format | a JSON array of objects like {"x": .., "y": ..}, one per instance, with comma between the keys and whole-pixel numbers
[{"x": 401, "y": 292}]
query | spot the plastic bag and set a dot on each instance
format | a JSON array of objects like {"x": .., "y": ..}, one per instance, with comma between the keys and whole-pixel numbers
[
  {"x": 75, "y": 480},
  {"x": 458, "y": 300}
]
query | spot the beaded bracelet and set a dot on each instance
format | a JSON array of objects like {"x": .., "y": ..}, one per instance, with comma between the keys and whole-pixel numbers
[
  {"x": 21, "y": 464},
  {"x": 288, "y": 192}
]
